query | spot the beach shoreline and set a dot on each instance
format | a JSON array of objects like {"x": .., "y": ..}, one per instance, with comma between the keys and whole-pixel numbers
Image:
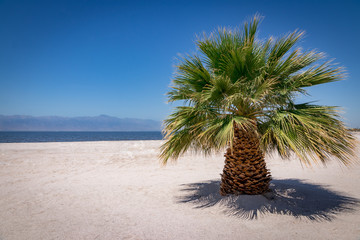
[{"x": 119, "y": 190}]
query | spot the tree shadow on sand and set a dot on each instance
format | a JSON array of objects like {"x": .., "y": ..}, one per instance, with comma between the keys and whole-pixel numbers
[{"x": 287, "y": 197}]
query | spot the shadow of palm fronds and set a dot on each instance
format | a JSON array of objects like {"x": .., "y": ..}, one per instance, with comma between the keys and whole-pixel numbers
[{"x": 288, "y": 197}]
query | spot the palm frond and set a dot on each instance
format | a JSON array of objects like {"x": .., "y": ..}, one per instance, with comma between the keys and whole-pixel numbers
[
  {"x": 315, "y": 75},
  {"x": 237, "y": 80},
  {"x": 312, "y": 132},
  {"x": 199, "y": 128},
  {"x": 280, "y": 48},
  {"x": 191, "y": 78}
]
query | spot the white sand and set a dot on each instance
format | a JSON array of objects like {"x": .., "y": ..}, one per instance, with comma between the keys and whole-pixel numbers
[{"x": 118, "y": 190}]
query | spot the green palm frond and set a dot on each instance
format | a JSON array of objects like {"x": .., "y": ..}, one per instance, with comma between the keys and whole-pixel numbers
[
  {"x": 239, "y": 80},
  {"x": 312, "y": 132},
  {"x": 199, "y": 128},
  {"x": 278, "y": 50},
  {"x": 315, "y": 75},
  {"x": 191, "y": 78}
]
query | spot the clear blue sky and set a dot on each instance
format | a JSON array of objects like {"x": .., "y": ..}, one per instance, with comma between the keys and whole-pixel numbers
[{"x": 86, "y": 58}]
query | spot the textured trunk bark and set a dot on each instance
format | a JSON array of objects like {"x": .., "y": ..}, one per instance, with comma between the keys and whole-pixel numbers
[{"x": 245, "y": 169}]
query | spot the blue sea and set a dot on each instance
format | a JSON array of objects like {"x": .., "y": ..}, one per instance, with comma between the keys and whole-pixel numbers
[{"x": 21, "y": 137}]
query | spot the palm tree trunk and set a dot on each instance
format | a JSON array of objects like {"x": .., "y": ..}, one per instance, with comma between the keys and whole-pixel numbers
[{"x": 245, "y": 169}]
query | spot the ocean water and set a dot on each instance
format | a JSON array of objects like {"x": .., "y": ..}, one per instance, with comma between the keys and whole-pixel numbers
[{"x": 21, "y": 137}]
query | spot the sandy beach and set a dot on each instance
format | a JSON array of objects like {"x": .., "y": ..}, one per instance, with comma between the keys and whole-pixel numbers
[{"x": 118, "y": 190}]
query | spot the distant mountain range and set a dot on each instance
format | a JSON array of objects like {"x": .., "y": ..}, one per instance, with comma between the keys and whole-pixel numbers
[{"x": 55, "y": 123}]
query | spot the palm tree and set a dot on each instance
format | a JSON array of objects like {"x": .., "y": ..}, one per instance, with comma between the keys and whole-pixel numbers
[{"x": 239, "y": 93}]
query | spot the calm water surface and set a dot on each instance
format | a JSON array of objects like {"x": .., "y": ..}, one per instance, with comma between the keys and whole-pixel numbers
[{"x": 17, "y": 137}]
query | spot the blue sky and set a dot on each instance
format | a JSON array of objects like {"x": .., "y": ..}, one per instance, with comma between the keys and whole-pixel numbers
[{"x": 86, "y": 58}]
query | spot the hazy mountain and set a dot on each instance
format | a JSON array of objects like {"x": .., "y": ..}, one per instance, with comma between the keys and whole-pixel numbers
[{"x": 98, "y": 123}]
